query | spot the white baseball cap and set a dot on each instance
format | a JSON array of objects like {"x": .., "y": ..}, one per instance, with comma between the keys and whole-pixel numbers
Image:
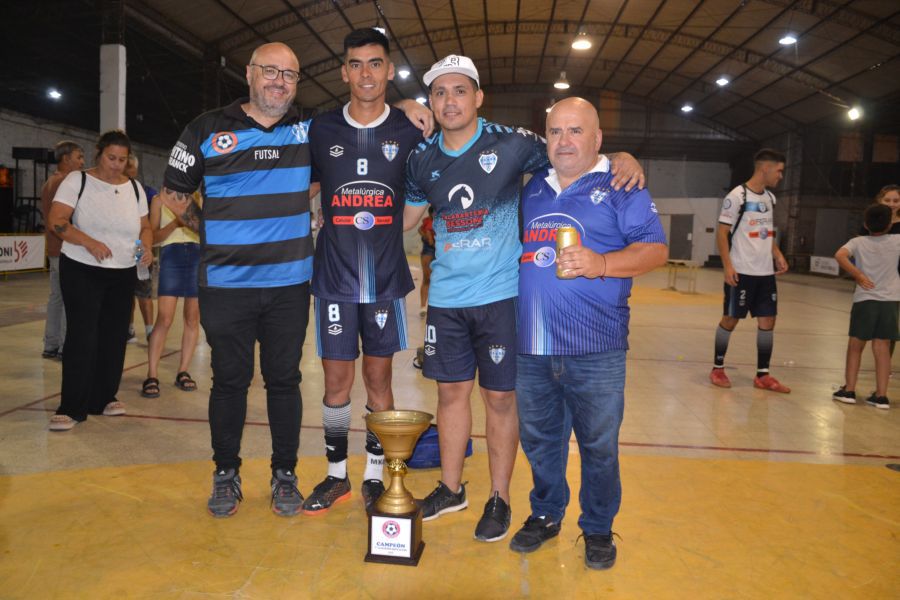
[{"x": 452, "y": 64}]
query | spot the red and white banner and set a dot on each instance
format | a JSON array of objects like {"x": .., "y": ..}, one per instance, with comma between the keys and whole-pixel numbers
[{"x": 21, "y": 252}]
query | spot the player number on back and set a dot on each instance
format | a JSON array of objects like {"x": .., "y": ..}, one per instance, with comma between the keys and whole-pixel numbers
[
  {"x": 362, "y": 166},
  {"x": 334, "y": 313}
]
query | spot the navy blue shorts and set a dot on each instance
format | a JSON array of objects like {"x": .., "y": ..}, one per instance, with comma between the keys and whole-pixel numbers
[
  {"x": 460, "y": 340},
  {"x": 178, "y": 265},
  {"x": 755, "y": 293},
  {"x": 340, "y": 326}
]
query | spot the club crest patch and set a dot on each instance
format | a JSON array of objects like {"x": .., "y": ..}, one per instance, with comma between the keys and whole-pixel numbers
[
  {"x": 488, "y": 160},
  {"x": 598, "y": 195},
  {"x": 497, "y": 353},
  {"x": 300, "y": 132},
  {"x": 224, "y": 142},
  {"x": 381, "y": 318},
  {"x": 390, "y": 149}
]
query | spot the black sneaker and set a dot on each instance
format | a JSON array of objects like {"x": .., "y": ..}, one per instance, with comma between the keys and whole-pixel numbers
[
  {"x": 533, "y": 534},
  {"x": 331, "y": 491},
  {"x": 844, "y": 396},
  {"x": 372, "y": 489},
  {"x": 226, "y": 493},
  {"x": 599, "y": 551},
  {"x": 442, "y": 501},
  {"x": 494, "y": 523},
  {"x": 878, "y": 401},
  {"x": 286, "y": 498}
]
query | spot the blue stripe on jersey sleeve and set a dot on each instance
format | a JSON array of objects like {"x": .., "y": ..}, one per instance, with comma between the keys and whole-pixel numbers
[
  {"x": 258, "y": 231},
  {"x": 256, "y": 183},
  {"x": 276, "y": 275}
]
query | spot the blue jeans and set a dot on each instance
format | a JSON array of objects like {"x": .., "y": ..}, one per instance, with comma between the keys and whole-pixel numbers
[{"x": 556, "y": 394}]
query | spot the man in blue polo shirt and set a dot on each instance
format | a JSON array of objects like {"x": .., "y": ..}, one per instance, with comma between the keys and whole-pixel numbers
[{"x": 573, "y": 331}]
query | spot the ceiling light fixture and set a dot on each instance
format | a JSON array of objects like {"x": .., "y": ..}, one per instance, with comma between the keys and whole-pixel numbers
[
  {"x": 562, "y": 83},
  {"x": 788, "y": 39},
  {"x": 854, "y": 113},
  {"x": 687, "y": 108},
  {"x": 403, "y": 73},
  {"x": 581, "y": 42},
  {"x": 54, "y": 94},
  {"x": 722, "y": 81}
]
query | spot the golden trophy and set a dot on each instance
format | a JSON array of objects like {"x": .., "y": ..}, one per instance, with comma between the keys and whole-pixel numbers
[{"x": 395, "y": 521}]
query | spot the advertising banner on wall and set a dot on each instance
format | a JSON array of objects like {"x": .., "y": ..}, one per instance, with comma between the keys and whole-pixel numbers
[{"x": 21, "y": 252}]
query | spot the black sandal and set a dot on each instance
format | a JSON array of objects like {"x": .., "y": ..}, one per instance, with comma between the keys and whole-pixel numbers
[
  {"x": 150, "y": 388},
  {"x": 184, "y": 382}
]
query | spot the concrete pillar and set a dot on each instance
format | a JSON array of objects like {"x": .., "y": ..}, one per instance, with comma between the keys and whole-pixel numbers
[{"x": 112, "y": 86}]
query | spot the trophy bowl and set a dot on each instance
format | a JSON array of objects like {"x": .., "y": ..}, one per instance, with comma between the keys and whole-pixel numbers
[{"x": 397, "y": 431}]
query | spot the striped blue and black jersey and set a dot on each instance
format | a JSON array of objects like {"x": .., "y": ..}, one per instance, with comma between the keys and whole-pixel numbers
[
  {"x": 255, "y": 224},
  {"x": 359, "y": 250},
  {"x": 578, "y": 316},
  {"x": 475, "y": 194}
]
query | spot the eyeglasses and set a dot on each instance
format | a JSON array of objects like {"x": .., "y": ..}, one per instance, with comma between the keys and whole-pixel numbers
[{"x": 270, "y": 72}]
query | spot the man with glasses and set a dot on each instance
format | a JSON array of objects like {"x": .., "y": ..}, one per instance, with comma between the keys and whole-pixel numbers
[{"x": 252, "y": 158}]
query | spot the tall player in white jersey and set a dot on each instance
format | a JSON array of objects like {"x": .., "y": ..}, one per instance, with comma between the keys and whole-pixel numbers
[{"x": 751, "y": 260}]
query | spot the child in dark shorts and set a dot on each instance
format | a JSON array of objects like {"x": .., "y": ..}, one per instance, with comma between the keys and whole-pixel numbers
[{"x": 876, "y": 302}]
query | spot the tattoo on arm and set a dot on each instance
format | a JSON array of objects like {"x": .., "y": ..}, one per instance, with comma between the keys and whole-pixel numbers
[
  {"x": 191, "y": 217},
  {"x": 61, "y": 229}
]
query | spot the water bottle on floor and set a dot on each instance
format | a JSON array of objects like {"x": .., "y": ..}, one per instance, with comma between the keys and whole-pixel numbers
[{"x": 143, "y": 272}]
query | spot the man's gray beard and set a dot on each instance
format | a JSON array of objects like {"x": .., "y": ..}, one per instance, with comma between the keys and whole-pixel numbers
[{"x": 273, "y": 111}]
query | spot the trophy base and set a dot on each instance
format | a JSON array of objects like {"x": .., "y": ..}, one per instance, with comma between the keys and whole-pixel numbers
[{"x": 395, "y": 539}]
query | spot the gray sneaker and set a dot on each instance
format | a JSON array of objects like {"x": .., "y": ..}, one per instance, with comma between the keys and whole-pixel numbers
[
  {"x": 286, "y": 498},
  {"x": 226, "y": 493},
  {"x": 442, "y": 501}
]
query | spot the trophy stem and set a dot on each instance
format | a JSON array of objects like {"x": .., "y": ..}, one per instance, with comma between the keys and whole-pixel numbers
[{"x": 396, "y": 499}]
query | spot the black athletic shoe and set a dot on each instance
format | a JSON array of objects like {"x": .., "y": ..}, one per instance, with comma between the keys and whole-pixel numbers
[
  {"x": 844, "y": 396},
  {"x": 533, "y": 534},
  {"x": 494, "y": 523},
  {"x": 599, "y": 551},
  {"x": 442, "y": 501},
  {"x": 331, "y": 491},
  {"x": 372, "y": 489},
  {"x": 878, "y": 401},
  {"x": 226, "y": 493},
  {"x": 286, "y": 498}
]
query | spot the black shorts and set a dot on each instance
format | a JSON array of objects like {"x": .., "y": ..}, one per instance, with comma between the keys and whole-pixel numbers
[
  {"x": 341, "y": 325},
  {"x": 756, "y": 293},
  {"x": 460, "y": 340},
  {"x": 874, "y": 320}
]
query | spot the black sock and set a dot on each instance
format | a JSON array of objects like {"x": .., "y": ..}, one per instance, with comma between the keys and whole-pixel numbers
[
  {"x": 722, "y": 337},
  {"x": 764, "y": 342}
]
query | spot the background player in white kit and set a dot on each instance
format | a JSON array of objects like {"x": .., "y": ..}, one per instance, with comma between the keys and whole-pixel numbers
[{"x": 751, "y": 260}]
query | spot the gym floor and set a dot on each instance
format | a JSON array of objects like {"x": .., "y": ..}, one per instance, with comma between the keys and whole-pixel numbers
[{"x": 734, "y": 493}]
